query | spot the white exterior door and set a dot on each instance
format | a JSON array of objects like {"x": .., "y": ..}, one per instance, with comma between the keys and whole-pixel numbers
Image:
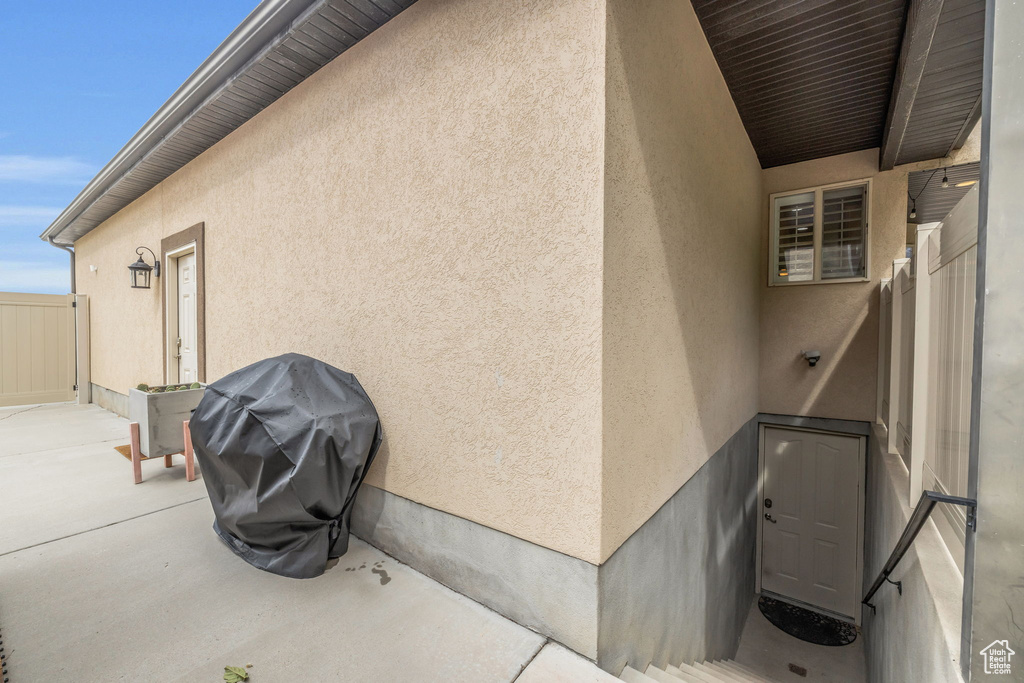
[
  {"x": 810, "y": 518},
  {"x": 188, "y": 358}
]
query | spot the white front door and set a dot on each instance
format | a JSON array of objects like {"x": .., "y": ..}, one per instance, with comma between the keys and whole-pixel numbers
[
  {"x": 188, "y": 357},
  {"x": 810, "y": 518}
]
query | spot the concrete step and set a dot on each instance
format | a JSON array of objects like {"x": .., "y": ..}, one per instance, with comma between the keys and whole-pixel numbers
[
  {"x": 756, "y": 675},
  {"x": 718, "y": 673},
  {"x": 660, "y": 675},
  {"x": 681, "y": 675},
  {"x": 699, "y": 674},
  {"x": 744, "y": 675},
  {"x": 631, "y": 675}
]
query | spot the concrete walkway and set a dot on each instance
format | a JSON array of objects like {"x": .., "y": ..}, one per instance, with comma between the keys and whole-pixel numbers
[{"x": 103, "y": 580}]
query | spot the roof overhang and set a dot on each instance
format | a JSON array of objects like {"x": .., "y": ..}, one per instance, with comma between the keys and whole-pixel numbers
[
  {"x": 936, "y": 97},
  {"x": 816, "y": 79},
  {"x": 276, "y": 47}
]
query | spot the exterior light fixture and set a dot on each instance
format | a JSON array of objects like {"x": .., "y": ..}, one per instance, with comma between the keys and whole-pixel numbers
[
  {"x": 945, "y": 179},
  {"x": 913, "y": 209},
  {"x": 140, "y": 270},
  {"x": 966, "y": 183}
]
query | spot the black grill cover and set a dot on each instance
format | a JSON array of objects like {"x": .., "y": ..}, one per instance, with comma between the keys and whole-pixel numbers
[{"x": 284, "y": 445}]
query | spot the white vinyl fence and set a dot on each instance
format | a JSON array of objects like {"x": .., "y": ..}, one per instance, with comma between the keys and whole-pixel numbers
[
  {"x": 37, "y": 348},
  {"x": 904, "y": 423},
  {"x": 884, "y": 351},
  {"x": 927, "y": 348},
  {"x": 953, "y": 269}
]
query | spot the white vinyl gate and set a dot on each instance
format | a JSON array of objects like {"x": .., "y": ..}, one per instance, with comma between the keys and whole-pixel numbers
[
  {"x": 37, "y": 348},
  {"x": 926, "y": 359},
  {"x": 953, "y": 270}
]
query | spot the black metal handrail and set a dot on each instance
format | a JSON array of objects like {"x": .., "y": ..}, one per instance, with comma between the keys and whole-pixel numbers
[{"x": 924, "y": 508}]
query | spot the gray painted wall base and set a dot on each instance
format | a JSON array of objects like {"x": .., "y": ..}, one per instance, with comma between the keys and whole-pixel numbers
[
  {"x": 109, "y": 399},
  {"x": 552, "y": 593},
  {"x": 679, "y": 589}
]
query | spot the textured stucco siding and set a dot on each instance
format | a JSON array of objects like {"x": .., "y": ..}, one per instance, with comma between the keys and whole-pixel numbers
[
  {"x": 426, "y": 212},
  {"x": 682, "y": 226},
  {"x": 841, "y": 319}
]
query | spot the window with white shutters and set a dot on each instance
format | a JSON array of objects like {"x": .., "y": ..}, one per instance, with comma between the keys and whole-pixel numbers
[
  {"x": 796, "y": 237},
  {"x": 820, "y": 235},
  {"x": 842, "y": 233}
]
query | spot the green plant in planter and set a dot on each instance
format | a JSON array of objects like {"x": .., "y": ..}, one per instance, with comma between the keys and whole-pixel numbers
[{"x": 168, "y": 388}]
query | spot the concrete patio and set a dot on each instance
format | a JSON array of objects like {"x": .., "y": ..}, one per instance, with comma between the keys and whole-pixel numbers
[{"x": 103, "y": 580}]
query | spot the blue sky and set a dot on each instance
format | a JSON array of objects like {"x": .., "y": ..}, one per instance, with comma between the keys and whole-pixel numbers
[{"x": 79, "y": 79}]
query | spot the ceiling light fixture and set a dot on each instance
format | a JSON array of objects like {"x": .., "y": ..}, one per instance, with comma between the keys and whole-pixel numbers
[
  {"x": 966, "y": 183},
  {"x": 945, "y": 180}
]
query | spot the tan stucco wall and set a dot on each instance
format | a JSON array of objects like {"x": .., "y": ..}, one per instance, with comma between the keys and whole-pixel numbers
[
  {"x": 682, "y": 243},
  {"x": 840, "y": 320},
  {"x": 537, "y": 233},
  {"x": 426, "y": 212}
]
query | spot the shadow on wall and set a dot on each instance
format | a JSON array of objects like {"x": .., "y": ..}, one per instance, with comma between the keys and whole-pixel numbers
[
  {"x": 838, "y": 319},
  {"x": 682, "y": 248},
  {"x": 844, "y": 365},
  {"x": 843, "y": 383}
]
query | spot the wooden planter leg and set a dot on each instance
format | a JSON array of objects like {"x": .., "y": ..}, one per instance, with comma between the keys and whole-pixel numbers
[
  {"x": 190, "y": 464},
  {"x": 133, "y": 429},
  {"x": 167, "y": 460}
]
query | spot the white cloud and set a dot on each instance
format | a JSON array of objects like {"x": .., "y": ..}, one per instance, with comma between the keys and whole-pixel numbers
[
  {"x": 37, "y": 169},
  {"x": 34, "y": 276},
  {"x": 27, "y": 216}
]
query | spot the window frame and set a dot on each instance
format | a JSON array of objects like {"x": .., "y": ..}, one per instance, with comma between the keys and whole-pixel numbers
[{"x": 818, "y": 190}]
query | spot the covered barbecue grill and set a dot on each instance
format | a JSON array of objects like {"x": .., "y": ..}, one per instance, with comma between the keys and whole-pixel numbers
[{"x": 284, "y": 445}]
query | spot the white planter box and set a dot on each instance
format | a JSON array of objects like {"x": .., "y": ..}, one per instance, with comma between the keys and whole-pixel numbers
[{"x": 160, "y": 417}]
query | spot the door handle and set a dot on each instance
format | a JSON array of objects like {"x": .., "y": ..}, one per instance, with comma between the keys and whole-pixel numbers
[{"x": 769, "y": 518}]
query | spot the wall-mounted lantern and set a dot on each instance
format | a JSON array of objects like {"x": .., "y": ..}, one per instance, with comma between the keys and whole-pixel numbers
[{"x": 140, "y": 270}]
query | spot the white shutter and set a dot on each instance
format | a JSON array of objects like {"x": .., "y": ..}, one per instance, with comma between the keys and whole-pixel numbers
[
  {"x": 843, "y": 232},
  {"x": 794, "y": 247}
]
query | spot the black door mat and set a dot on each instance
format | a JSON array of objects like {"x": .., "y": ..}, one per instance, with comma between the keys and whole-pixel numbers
[{"x": 806, "y": 625}]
